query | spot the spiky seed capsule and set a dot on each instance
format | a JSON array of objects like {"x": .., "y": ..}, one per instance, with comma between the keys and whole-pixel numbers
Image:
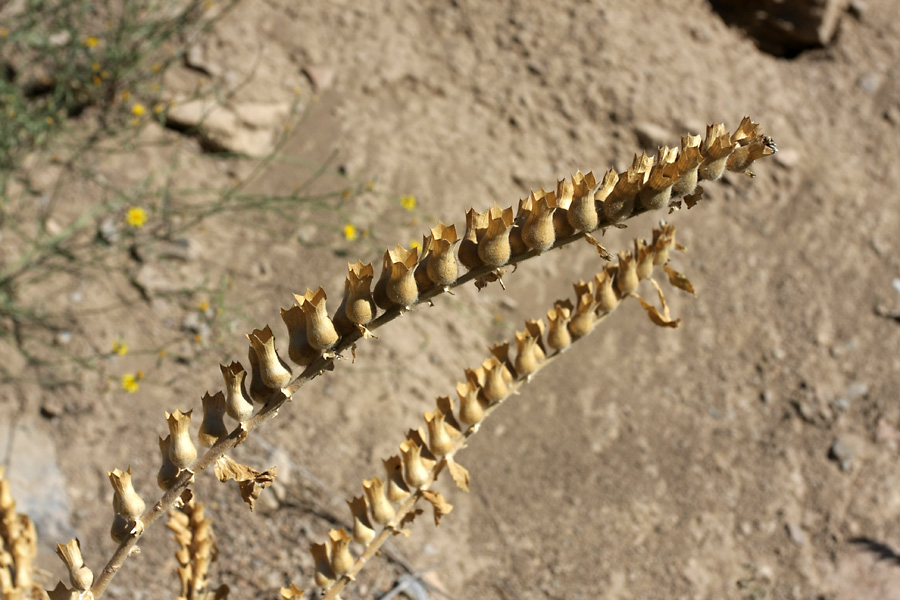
[
  {"x": 382, "y": 510},
  {"x": 559, "y": 337},
  {"x": 396, "y": 489},
  {"x": 259, "y": 392},
  {"x": 341, "y": 559},
  {"x": 687, "y": 165},
  {"x": 658, "y": 190},
  {"x": 538, "y": 232},
  {"x": 494, "y": 249},
  {"x": 470, "y": 409},
  {"x": 607, "y": 299},
  {"x": 358, "y": 306},
  {"x": 320, "y": 331},
  {"x": 476, "y": 225},
  {"x": 620, "y": 203},
  {"x": 442, "y": 268},
  {"x": 324, "y": 573},
  {"x": 495, "y": 387},
  {"x": 126, "y": 501},
  {"x": 627, "y": 277},
  {"x": 529, "y": 354},
  {"x": 363, "y": 533},
  {"x": 440, "y": 442},
  {"x": 237, "y": 403},
  {"x": 213, "y": 428},
  {"x": 181, "y": 450},
  {"x": 120, "y": 530},
  {"x": 716, "y": 148},
  {"x": 645, "y": 255},
  {"x": 274, "y": 372},
  {"x": 168, "y": 472},
  {"x": 80, "y": 576}
]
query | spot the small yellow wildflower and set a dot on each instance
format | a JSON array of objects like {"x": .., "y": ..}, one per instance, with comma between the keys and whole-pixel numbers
[
  {"x": 350, "y": 232},
  {"x": 49, "y": 120},
  {"x": 370, "y": 185},
  {"x": 91, "y": 42},
  {"x": 139, "y": 375},
  {"x": 204, "y": 306},
  {"x": 158, "y": 108},
  {"x": 156, "y": 68},
  {"x": 130, "y": 383},
  {"x": 136, "y": 216},
  {"x": 126, "y": 95},
  {"x": 346, "y": 193},
  {"x": 138, "y": 109},
  {"x": 163, "y": 353},
  {"x": 96, "y": 80},
  {"x": 135, "y": 121},
  {"x": 95, "y": 66},
  {"x": 198, "y": 337},
  {"x": 120, "y": 347},
  {"x": 4, "y": 32},
  {"x": 414, "y": 245},
  {"x": 408, "y": 202}
]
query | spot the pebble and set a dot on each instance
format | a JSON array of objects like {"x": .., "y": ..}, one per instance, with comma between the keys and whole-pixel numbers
[
  {"x": 651, "y": 136},
  {"x": 841, "y": 453},
  {"x": 798, "y": 536},
  {"x": 869, "y": 83}
]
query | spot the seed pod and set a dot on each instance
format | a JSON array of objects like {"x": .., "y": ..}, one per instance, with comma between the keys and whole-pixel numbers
[
  {"x": 442, "y": 268},
  {"x": 382, "y": 510},
  {"x": 363, "y": 532},
  {"x": 565, "y": 195},
  {"x": 259, "y": 392},
  {"x": 320, "y": 331},
  {"x": 237, "y": 404},
  {"x": 212, "y": 428},
  {"x": 716, "y": 148},
  {"x": 529, "y": 353},
  {"x": 321, "y": 556},
  {"x": 582, "y": 213},
  {"x": 80, "y": 576},
  {"x": 558, "y": 337},
  {"x": 645, "y": 255},
  {"x": 752, "y": 146},
  {"x": 358, "y": 305},
  {"x": 415, "y": 473},
  {"x": 494, "y": 249},
  {"x": 440, "y": 436},
  {"x": 126, "y": 501},
  {"x": 658, "y": 190},
  {"x": 395, "y": 488},
  {"x": 341, "y": 559},
  {"x": 470, "y": 409},
  {"x": 663, "y": 242},
  {"x": 584, "y": 318},
  {"x": 299, "y": 349},
  {"x": 686, "y": 166},
  {"x": 476, "y": 225},
  {"x": 274, "y": 372},
  {"x": 627, "y": 277},
  {"x": 181, "y": 449},
  {"x": 537, "y": 232},
  {"x": 620, "y": 203},
  {"x": 607, "y": 299},
  {"x": 397, "y": 285},
  {"x": 495, "y": 387},
  {"x": 168, "y": 472}
]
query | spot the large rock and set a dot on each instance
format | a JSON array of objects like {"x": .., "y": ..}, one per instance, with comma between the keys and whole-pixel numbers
[{"x": 250, "y": 128}]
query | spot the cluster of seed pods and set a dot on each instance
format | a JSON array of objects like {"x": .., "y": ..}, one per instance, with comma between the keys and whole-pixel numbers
[
  {"x": 492, "y": 239},
  {"x": 387, "y": 504}
]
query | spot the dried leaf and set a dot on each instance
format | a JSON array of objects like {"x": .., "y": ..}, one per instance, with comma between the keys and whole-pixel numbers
[
  {"x": 679, "y": 280},
  {"x": 407, "y": 519},
  {"x": 459, "y": 474},
  {"x": 250, "y": 481},
  {"x": 292, "y": 593},
  {"x": 691, "y": 200},
  {"x": 603, "y": 252},
  {"x": 655, "y": 316},
  {"x": 440, "y": 505}
]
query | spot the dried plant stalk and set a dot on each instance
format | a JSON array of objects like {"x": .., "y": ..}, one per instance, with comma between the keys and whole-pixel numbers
[{"x": 493, "y": 240}]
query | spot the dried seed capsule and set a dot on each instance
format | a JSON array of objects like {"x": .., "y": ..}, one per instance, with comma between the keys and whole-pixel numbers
[
  {"x": 382, "y": 510},
  {"x": 182, "y": 450},
  {"x": 324, "y": 573},
  {"x": 299, "y": 349},
  {"x": 442, "y": 268},
  {"x": 212, "y": 428},
  {"x": 607, "y": 299},
  {"x": 274, "y": 372},
  {"x": 126, "y": 501},
  {"x": 359, "y": 305},
  {"x": 470, "y": 409},
  {"x": 627, "y": 277},
  {"x": 529, "y": 355},
  {"x": 341, "y": 559},
  {"x": 168, "y": 472},
  {"x": 620, "y": 203},
  {"x": 320, "y": 331},
  {"x": 645, "y": 255},
  {"x": 396, "y": 489},
  {"x": 495, "y": 387},
  {"x": 440, "y": 438},
  {"x": 582, "y": 214},
  {"x": 658, "y": 190},
  {"x": 716, "y": 148},
  {"x": 80, "y": 576},
  {"x": 363, "y": 532},
  {"x": 585, "y": 316},
  {"x": 120, "y": 530},
  {"x": 558, "y": 337},
  {"x": 494, "y": 249},
  {"x": 237, "y": 404},
  {"x": 663, "y": 242},
  {"x": 397, "y": 285},
  {"x": 415, "y": 473},
  {"x": 686, "y": 166},
  {"x": 259, "y": 392},
  {"x": 537, "y": 232},
  {"x": 476, "y": 225}
]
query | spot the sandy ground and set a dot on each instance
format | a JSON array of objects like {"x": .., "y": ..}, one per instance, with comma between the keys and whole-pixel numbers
[{"x": 750, "y": 453}]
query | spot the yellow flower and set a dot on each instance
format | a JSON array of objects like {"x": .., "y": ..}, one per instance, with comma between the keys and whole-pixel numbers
[
  {"x": 95, "y": 66},
  {"x": 204, "y": 306},
  {"x": 126, "y": 95},
  {"x": 138, "y": 109},
  {"x": 4, "y": 32},
  {"x": 158, "y": 108},
  {"x": 91, "y": 42},
  {"x": 370, "y": 185},
  {"x": 120, "y": 347},
  {"x": 408, "y": 202},
  {"x": 413, "y": 245},
  {"x": 136, "y": 216},
  {"x": 130, "y": 383},
  {"x": 345, "y": 193},
  {"x": 350, "y": 232}
]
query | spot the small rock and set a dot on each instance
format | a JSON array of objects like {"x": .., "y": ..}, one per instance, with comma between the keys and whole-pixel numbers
[
  {"x": 652, "y": 136},
  {"x": 182, "y": 249},
  {"x": 153, "y": 281},
  {"x": 869, "y": 83},
  {"x": 798, "y": 536},
  {"x": 191, "y": 322},
  {"x": 841, "y": 453},
  {"x": 787, "y": 158},
  {"x": 52, "y": 407},
  {"x": 857, "y": 9},
  {"x": 63, "y": 337},
  {"x": 857, "y": 389},
  {"x": 60, "y": 38},
  {"x": 321, "y": 78}
]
